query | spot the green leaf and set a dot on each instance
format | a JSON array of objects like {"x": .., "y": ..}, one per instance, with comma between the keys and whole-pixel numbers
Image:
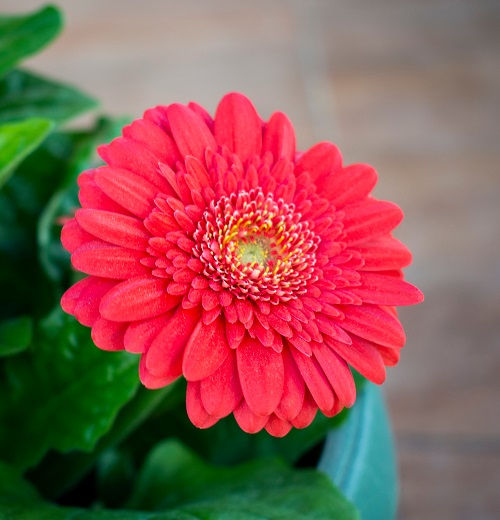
[
  {"x": 12, "y": 485},
  {"x": 359, "y": 457},
  {"x": 15, "y": 335},
  {"x": 63, "y": 393},
  {"x": 24, "y": 95},
  {"x": 17, "y": 140},
  {"x": 57, "y": 473},
  {"x": 174, "y": 477},
  {"x": 21, "y": 36}
]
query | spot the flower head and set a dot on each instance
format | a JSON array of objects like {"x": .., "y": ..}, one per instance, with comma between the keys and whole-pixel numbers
[{"x": 218, "y": 252}]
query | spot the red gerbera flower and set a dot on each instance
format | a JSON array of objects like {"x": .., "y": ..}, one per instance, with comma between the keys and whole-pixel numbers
[{"x": 220, "y": 253}]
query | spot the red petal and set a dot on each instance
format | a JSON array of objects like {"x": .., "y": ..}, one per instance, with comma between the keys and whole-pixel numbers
[
  {"x": 294, "y": 389},
  {"x": 277, "y": 427},
  {"x": 262, "y": 377},
  {"x": 82, "y": 300},
  {"x": 386, "y": 290},
  {"x": 149, "y": 380},
  {"x": 73, "y": 236},
  {"x": 107, "y": 261},
  {"x": 137, "y": 299},
  {"x": 337, "y": 372},
  {"x": 389, "y": 355},
  {"x": 244, "y": 309},
  {"x": 164, "y": 356},
  {"x": 319, "y": 161},
  {"x": 131, "y": 191},
  {"x": 221, "y": 392},
  {"x": 196, "y": 413},
  {"x": 306, "y": 414},
  {"x": 347, "y": 185},
  {"x": 198, "y": 109},
  {"x": 315, "y": 379},
  {"x": 136, "y": 158},
  {"x": 238, "y": 126},
  {"x": 190, "y": 132},
  {"x": 108, "y": 335},
  {"x": 374, "y": 324},
  {"x": 140, "y": 335},
  {"x": 370, "y": 219},
  {"x": 92, "y": 196},
  {"x": 235, "y": 333},
  {"x": 154, "y": 138},
  {"x": 383, "y": 254},
  {"x": 74, "y": 294},
  {"x": 279, "y": 137},
  {"x": 363, "y": 357},
  {"x": 206, "y": 350},
  {"x": 247, "y": 420},
  {"x": 114, "y": 228}
]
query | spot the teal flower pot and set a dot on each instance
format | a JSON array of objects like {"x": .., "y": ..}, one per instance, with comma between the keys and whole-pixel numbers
[{"x": 359, "y": 457}]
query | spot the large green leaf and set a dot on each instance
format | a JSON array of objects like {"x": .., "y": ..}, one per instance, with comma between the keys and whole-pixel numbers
[
  {"x": 174, "y": 477},
  {"x": 17, "y": 140},
  {"x": 63, "y": 393},
  {"x": 179, "y": 486},
  {"x": 57, "y": 472},
  {"x": 21, "y": 36},
  {"x": 359, "y": 457},
  {"x": 24, "y": 95},
  {"x": 15, "y": 335}
]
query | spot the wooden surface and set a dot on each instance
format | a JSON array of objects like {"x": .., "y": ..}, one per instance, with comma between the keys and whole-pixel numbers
[{"x": 411, "y": 87}]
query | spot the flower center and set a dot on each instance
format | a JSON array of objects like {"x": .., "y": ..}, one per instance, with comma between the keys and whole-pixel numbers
[{"x": 256, "y": 247}]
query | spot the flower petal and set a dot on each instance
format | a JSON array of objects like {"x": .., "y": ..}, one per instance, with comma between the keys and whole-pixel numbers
[
  {"x": 294, "y": 389},
  {"x": 154, "y": 138},
  {"x": 136, "y": 158},
  {"x": 248, "y": 421},
  {"x": 137, "y": 299},
  {"x": 206, "y": 350},
  {"x": 238, "y": 126},
  {"x": 307, "y": 413},
  {"x": 114, "y": 228},
  {"x": 277, "y": 427},
  {"x": 374, "y": 324},
  {"x": 73, "y": 236},
  {"x": 128, "y": 189},
  {"x": 190, "y": 131},
  {"x": 347, "y": 185},
  {"x": 108, "y": 335},
  {"x": 140, "y": 334},
  {"x": 261, "y": 372},
  {"x": 108, "y": 261},
  {"x": 363, "y": 356},
  {"x": 319, "y": 161},
  {"x": 386, "y": 290},
  {"x": 221, "y": 392},
  {"x": 337, "y": 372},
  {"x": 384, "y": 253},
  {"x": 279, "y": 137},
  {"x": 315, "y": 379},
  {"x": 370, "y": 219},
  {"x": 149, "y": 380},
  {"x": 196, "y": 413},
  {"x": 164, "y": 356},
  {"x": 83, "y": 299}
]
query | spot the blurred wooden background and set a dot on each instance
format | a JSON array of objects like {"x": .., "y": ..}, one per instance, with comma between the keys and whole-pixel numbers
[{"x": 412, "y": 87}]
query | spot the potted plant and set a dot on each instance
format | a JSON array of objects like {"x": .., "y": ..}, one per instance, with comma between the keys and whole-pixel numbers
[{"x": 255, "y": 284}]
